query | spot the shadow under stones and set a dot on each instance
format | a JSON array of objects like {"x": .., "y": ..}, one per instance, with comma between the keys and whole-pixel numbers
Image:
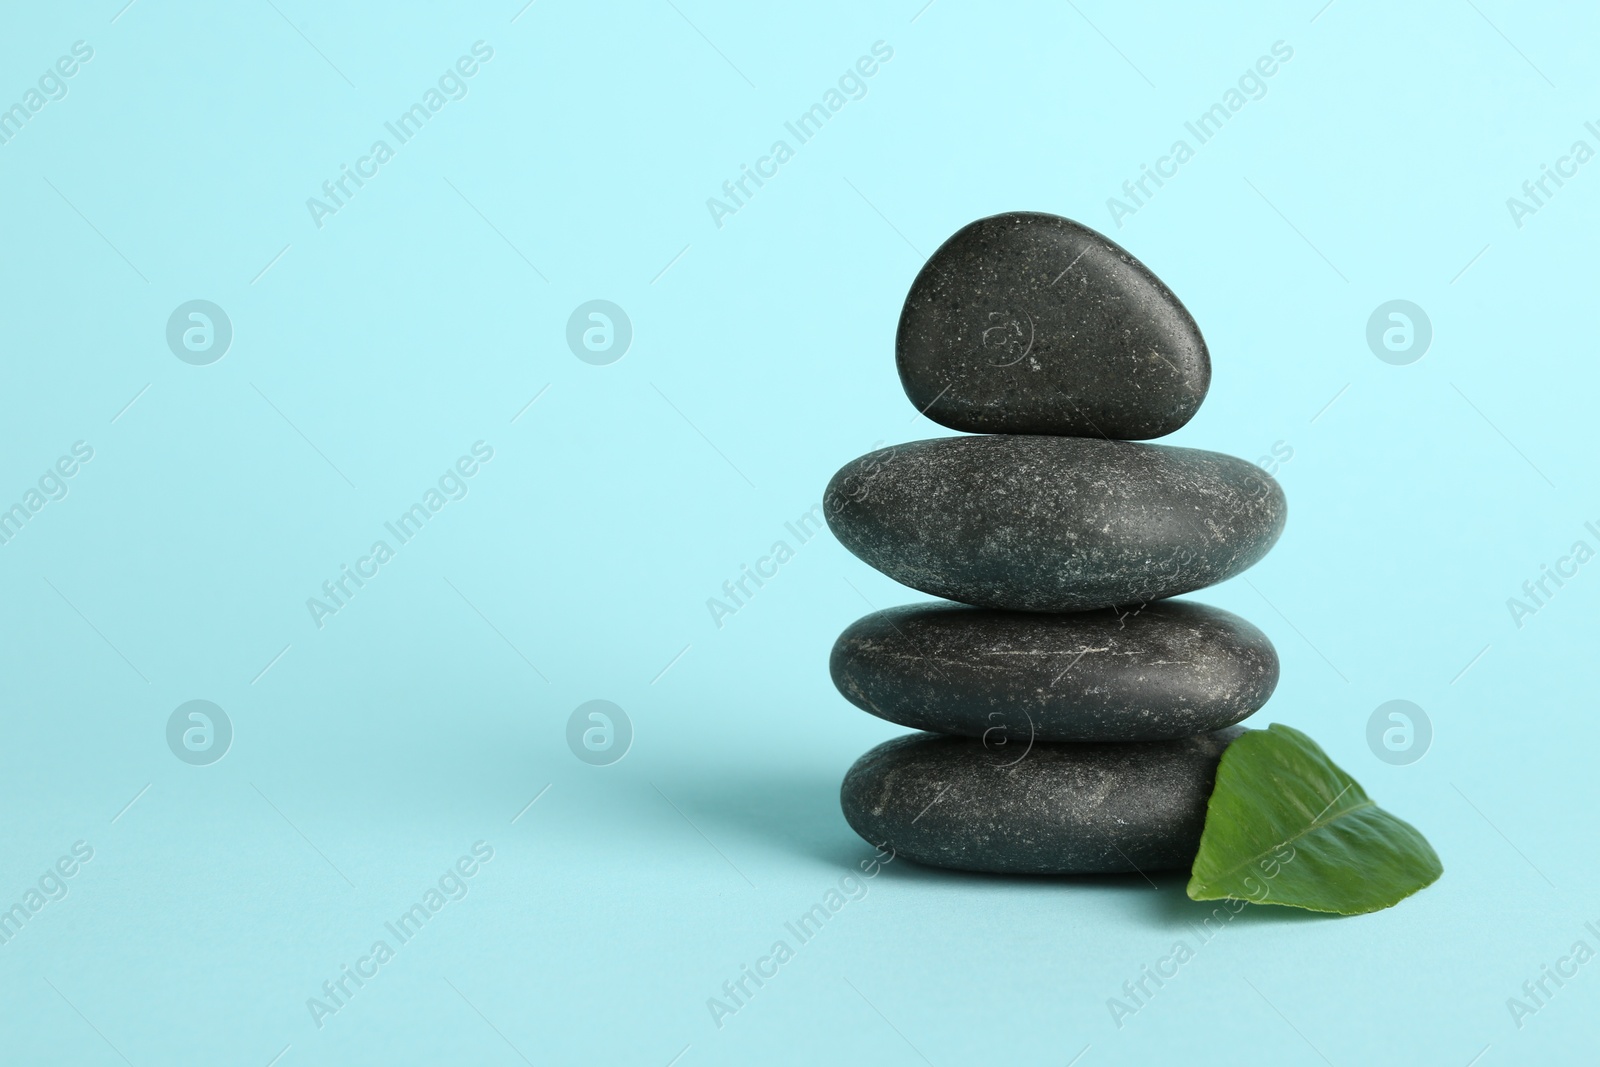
[
  {"x": 1156, "y": 899},
  {"x": 1172, "y": 907},
  {"x": 798, "y": 811},
  {"x": 793, "y": 810}
]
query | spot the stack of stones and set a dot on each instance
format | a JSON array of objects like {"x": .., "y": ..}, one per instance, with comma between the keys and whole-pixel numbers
[{"x": 1074, "y": 714}]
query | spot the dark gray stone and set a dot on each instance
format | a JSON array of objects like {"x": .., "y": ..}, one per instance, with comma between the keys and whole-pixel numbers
[
  {"x": 1031, "y": 523},
  {"x": 1171, "y": 669},
  {"x": 1060, "y": 809},
  {"x": 1032, "y": 323}
]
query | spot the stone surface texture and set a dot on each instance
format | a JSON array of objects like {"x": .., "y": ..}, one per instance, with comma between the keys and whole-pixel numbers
[
  {"x": 1171, "y": 669},
  {"x": 1056, "y": 809},
  {"x": 1031, "y": 323},
  {"x": 1040, "y": 523}
]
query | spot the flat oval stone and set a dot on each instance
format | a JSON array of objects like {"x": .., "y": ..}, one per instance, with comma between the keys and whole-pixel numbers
[
  {"x": 1032, "y": 323},
  {"x": 1031, "y": 523},
  {"x": 1058, "y": 809},
  {"x": 1171, "y": 669}
]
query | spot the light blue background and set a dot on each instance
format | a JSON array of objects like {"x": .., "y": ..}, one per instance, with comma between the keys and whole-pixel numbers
[{"x": 371, "y": 353}]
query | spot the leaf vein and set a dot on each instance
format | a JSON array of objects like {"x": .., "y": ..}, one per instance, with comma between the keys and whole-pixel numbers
[{"x": 1316, "y": 824}]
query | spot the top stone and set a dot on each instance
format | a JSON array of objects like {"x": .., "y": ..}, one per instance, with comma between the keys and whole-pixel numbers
[{"x": 1032, "y": 323}]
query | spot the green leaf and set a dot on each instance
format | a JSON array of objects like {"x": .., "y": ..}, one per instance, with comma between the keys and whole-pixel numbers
[{"x": 1286, "y": 826}]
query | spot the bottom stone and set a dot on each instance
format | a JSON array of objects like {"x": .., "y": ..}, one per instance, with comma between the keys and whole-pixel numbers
[{"x": 1099, "y": 808}]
